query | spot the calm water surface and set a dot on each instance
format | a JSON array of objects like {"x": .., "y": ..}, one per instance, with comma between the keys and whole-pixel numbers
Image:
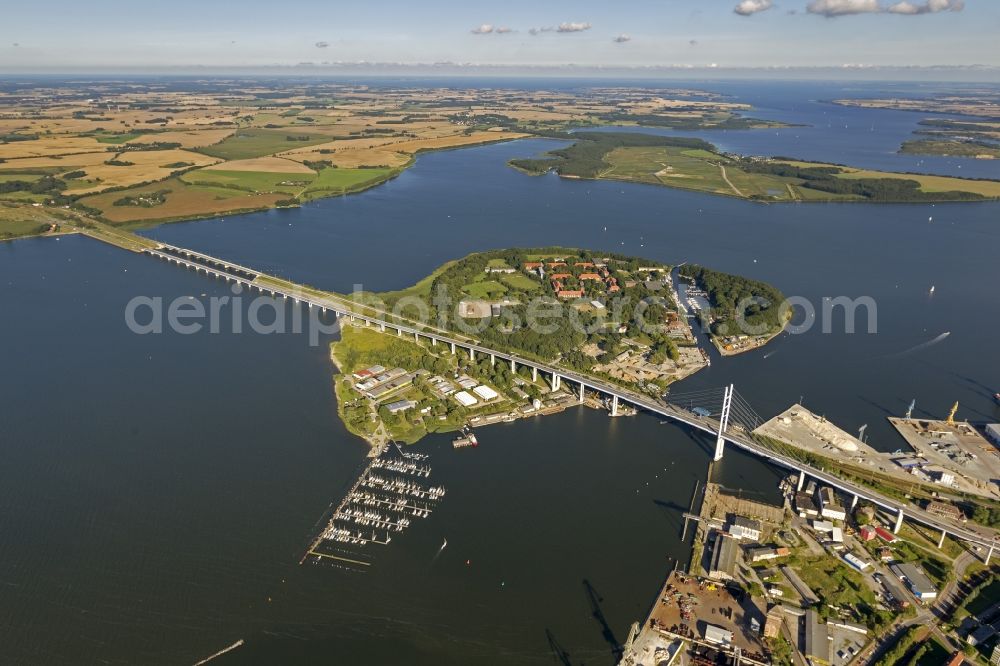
[{"x": 156, "y": 492}]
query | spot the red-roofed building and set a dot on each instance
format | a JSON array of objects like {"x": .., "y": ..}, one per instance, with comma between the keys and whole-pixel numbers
[
  {"x": 570, "y": 293},
  {"x": 560, "y": 276},
  {"x": 556, "y": 264},
  {"x": 584, "y": 264},
  {"x": 957, "y": 659},
  {"x": 589, "y": 276},
  {"x": 532, "y": 265},
  {"x": 556, "y": 285},
  {"x": 867, "y": 533},
  {"x": 885, "y": 534}
]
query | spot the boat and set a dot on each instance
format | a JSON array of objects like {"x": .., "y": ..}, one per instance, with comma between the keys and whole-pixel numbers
[
  {"x": 444, "y": 543},
  {"x": 468, "y": 438}
]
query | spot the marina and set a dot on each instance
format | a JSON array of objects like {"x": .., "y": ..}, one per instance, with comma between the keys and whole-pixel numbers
[{"x": 384, "y": 500}]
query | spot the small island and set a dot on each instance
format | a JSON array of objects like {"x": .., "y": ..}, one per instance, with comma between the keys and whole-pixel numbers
[
  {"x": 613, "y": 317},
  {"x": 695, "y": 164}
]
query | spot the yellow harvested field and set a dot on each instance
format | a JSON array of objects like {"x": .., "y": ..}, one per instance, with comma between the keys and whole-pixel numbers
[
  {"x": 50, "y": 145},
  {"x": 149, "y": 165},
  {"x": 187, "y": 138},
  {"x": 416, "y": 145},
  {"x": 268, "y": 164},
  {"x": 353, "y": 158},
  {"x": 64, "y": 162}
]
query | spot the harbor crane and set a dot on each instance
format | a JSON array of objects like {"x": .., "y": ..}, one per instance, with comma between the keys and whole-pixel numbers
[{"x": 951, "y": 415}]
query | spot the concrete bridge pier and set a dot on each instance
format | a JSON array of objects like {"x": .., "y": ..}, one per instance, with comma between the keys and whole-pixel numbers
[
  {"x": 453, "y": 349},
  {"x": 434, "y": 342},
  {"x": 854, "y": 501},
  {"x": 802, "y": 480},
  {"x": 720, "y": 440},
  {"x": 399, "y": 332},
  {"x": 416, "y": 337},
  {"x": 472, "y": 354},
  {"x": 555, "y": 382},
  {"x": 534, "y": 374},
  {"x": 381, "y": 327},
  {"x": 513, "y": 367},
  {"x": 941, "y": 541},
  {"x": 614, "y": 405},
  {"x": 899, "y": 522},
  {"x": 989, "y": 554},
  {"x": 581, "y": 392},
  {"x": 493, "y": 360}
]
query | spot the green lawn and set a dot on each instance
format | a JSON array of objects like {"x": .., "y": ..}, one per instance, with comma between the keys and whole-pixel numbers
[
  {"x": 331, "y": 182},
  {"x": 520, "y": 282},
  {"x": 487, "y": 289},
  {"x": 985, "y": 598},
  {"x": 116, "y": 138},
  {"x": 251, "y": 181},
  {"x": 247, "y": 143},
  {"x": 27, "y": 177}
]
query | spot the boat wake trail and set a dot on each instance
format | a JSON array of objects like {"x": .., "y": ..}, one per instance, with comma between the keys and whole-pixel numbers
[{"x": 920, "y": 347}]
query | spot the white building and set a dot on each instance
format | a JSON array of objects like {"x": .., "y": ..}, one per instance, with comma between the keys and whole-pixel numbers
[
  {"x": 745, "y": 528},
  {"x": 486, "y": 393},
  {"x": 465, "y": 399}
]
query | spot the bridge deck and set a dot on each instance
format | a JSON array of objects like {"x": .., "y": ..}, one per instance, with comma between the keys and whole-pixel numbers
[{"x": 709, "y": 425}]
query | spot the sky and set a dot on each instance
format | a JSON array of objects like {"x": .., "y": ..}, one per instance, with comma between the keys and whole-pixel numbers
[{"x": 68, "y": 35}]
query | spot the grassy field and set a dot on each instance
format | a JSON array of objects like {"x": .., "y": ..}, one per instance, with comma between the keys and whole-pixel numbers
[
  {"x": 248, "y": 143},
  {"x": 987, "y": 188},
  {"x": 701, "y": 170},
  {"x": 520, "y": 281},
  {"x": 669, "y": 165},
  {"x": 251, "y": 181},
  {"x": 331, "y": 182},
  {"x": 946, "y": 147},
  {"x": 486, "y": 289}
]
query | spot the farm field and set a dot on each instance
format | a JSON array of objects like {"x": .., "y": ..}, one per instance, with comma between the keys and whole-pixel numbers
[{"x": 181, "y": 152}]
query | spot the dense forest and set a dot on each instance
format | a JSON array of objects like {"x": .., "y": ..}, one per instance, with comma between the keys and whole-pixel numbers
[
  {"x": 585, "y": 158},
  {"x": 726, "y": 293}
]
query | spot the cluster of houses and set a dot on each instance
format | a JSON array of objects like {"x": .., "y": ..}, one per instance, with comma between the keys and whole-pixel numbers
[
  {"x": 818, "y": 502},
  {"x": 596, "y": 273}
]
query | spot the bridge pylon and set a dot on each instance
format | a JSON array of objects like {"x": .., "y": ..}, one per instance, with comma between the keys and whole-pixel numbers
[{"x": 720, "y": 441}]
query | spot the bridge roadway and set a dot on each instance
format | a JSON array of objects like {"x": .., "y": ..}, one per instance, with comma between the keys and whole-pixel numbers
[{"x": 987, "y": 539}]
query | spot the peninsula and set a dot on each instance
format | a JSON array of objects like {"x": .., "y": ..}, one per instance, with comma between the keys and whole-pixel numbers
[
  {"x": 613, "y": 317},
  {"x": 695, "y": 164}
]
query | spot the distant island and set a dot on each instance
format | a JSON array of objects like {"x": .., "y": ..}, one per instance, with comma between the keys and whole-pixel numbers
[
  {"x": 392, "y": 387},
  {"x": 977, "y": 135},
  {"x": 695, "y": 164}
]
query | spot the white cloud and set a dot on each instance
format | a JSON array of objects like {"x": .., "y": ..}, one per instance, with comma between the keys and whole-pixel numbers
[
  {"x": 751, "y": 7},
  {"x": 928, "y": 7},
  {"x": 831, "y": 8},
  {"x": 622, "y": 38},
  {"x": 319, "y": 45},
  {"x": 484, "y": 29},
  {"x": 569, "y": 26},
  {"x": 573, "y": 26},
  {"x": 502, "y": 30}
]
